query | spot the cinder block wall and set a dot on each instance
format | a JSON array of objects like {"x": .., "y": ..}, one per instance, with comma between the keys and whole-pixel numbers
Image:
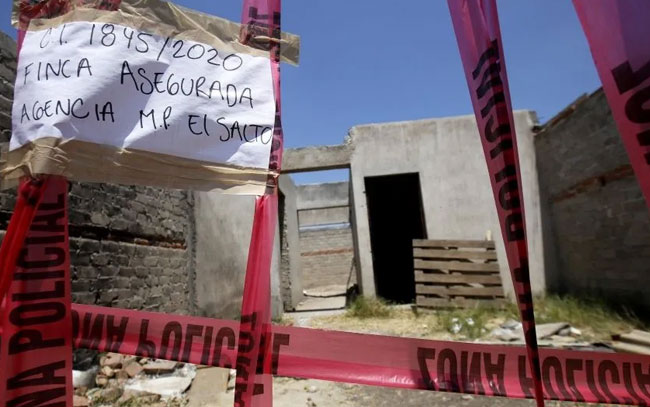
[
  {"x": 326, "y": 257},
  {"x": 595, "y": 214},
  {"x": 130, "y": 247},
  {"x": 326, "y": 246}
]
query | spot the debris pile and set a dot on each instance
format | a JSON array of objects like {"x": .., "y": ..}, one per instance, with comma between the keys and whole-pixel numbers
[
  {"x": 130, "y": 380},
  {"x": 556, "y": 334}
]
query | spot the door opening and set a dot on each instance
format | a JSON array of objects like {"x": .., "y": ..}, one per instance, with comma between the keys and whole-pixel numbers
[{"x": 396, "y": 218}]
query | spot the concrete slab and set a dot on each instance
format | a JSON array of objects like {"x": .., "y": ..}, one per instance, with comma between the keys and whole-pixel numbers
[
  {"x": 209, "y": 388},
  {"x": 316, "y": 158},
  {"x": 315, "y": 304},
  {"x": 172, "y": 386},
  {"x": 326, "y": 291}
]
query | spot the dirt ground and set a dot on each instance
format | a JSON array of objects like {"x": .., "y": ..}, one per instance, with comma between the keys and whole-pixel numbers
[
  {"x": 312, "y": 393},
  {"x": 403, "y": 323},
  {"x": 288, "y": 392},
  {"x": 214, "y": 387},
  {"x": 438, "y": 326}
]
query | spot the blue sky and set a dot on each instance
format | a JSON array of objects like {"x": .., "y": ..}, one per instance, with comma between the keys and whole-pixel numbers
[{"x": 368, "y": 62}]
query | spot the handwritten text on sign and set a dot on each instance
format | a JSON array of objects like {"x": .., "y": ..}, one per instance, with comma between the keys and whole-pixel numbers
[{"x": 113, "y": 85}]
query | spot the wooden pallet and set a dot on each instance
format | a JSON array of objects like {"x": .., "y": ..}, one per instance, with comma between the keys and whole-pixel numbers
[{"x": 456, "y": 274}]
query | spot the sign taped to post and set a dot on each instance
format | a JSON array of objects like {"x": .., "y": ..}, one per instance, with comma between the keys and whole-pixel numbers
[{"x": 113, "y": 97}]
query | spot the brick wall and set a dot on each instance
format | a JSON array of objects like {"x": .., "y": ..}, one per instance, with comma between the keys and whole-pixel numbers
[
  {"x": 7, "y": 76},
  {"x": 130, "y": 247},
  {"x": 595, "y": 215},
  {"x": 326, "y": 256}
]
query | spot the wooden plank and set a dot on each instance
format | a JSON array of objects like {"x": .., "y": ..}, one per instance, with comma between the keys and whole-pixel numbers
[
  {"x": 427, "y": 289},
  {"x": 462, "y": 291},
  {"x": 422, "y": 277},
  {"x": 485, "y": 244},
  {"x": 625, "y": 347},
  {"x": 636, "y": 337},
  {"x": 453, "y": 254},
  {"x": 422, "y": 301},
  {"x": 457, "y": 266}
]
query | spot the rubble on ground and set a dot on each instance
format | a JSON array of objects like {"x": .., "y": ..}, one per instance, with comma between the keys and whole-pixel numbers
[
  {"x": 122, "y": 380},
  {"x": 555, "y": 334}
]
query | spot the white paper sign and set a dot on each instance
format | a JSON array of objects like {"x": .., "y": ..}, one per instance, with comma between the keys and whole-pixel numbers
[{"x": 112, "y": 85}]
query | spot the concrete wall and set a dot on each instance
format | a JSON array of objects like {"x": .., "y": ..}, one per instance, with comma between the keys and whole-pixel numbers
[
  {"x": 221, "y": 251},
  {"x": 323, "y": 204},
  {"x": 456, "y": 193},
  {"x": 316, "y": 158},
  {"x": 313, "y": 217},
  {"x": 223, "y": 234},
  {"x": 325, "y": 195},
  {"x": 595, "y": 213},
  {"x": 290, "y": 260}
]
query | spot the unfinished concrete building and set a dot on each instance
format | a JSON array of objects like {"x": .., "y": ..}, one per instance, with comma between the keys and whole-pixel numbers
[
  {"x": 183, "y": 251},
  {"x": 587, "y": 223},
  {"x": 418, "y": 180}
]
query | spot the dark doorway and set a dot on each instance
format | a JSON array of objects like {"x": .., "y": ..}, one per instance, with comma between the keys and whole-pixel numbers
[{"x": 396, "y": 218}]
